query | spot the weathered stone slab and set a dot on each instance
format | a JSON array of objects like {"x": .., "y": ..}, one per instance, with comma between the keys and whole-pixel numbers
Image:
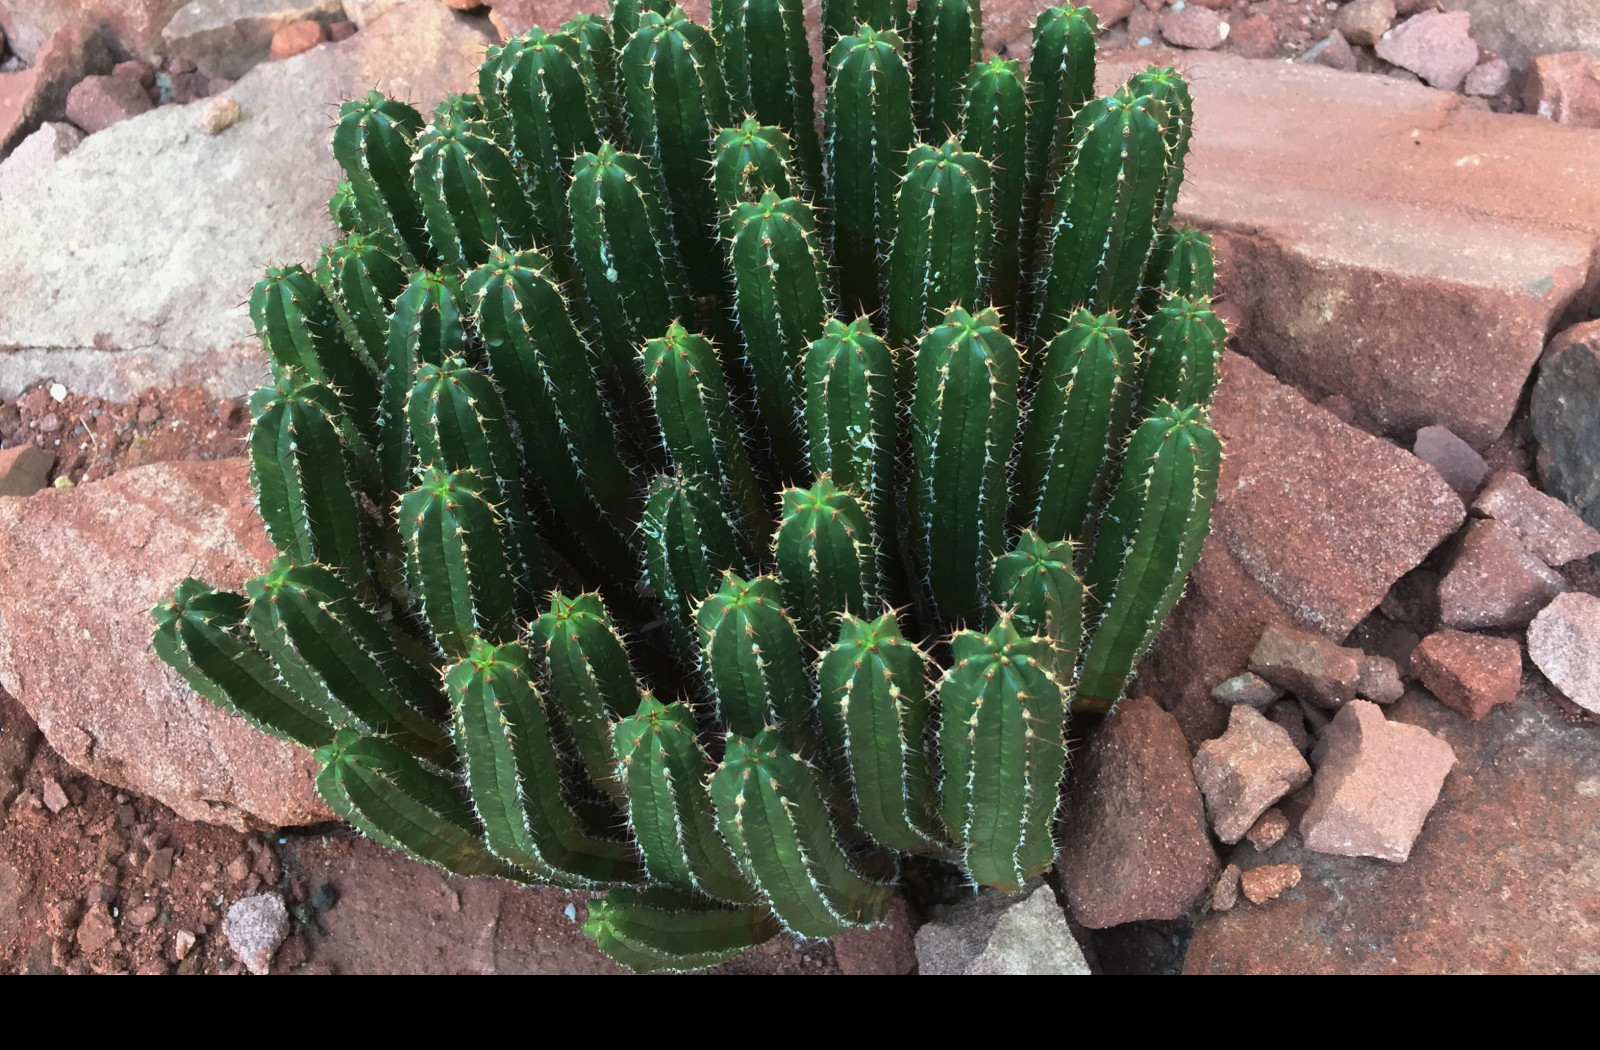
[{"x": 157, "y": 232}]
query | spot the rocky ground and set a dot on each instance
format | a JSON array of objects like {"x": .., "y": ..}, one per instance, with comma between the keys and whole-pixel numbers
[{"x": 1367, "y": 741}]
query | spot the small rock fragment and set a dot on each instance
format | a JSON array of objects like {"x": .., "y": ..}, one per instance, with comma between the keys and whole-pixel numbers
[
  {"x": 159, "y": 867},
  {"x": 1193, "y": 26},
  {"x": 1495, "y": 581},
  {"x": 297, "y": 37},
  {"x": 1307, "y": 664},
  {"x": 96, "y": 103},
  {"x": 1455, "y": 460},
  {"x": 63, "y": 915},
  {"x": 1375, "y": 786},
  {"x": 1564, "y": 642},
  {"x": 217, "y": 115},
  {"x": 342, "y": 31},
  {"x": 1469, "y": 673},
  {"x": 254, "y": 927},
  {"x": 992, "y": 933},
  {"x": 1565, "y": 88},
  {"x": 139, "y": 72},
  {"x": 182, "y": 944},
  {"x": 1435, "y": 45},
  {"x": 1548, "y": 528},
  {"x": 1268, "y": 831},
  {"x": 1488, "y": 79},
  {"x": 1247, "y": 688},
  {"x": 55, "y": 799},
  {"x": 1225, "y": 894},
  {"x": 1379, "y": 680},
  {"x": 1332, "y": 51},
  {"x": 142, "y": 914},
  {"x": 239, "y": 868},
  {"x": 1254, "y": 37},
  {"x": 97, "y": 929},
  {"x": 1266, "y": 883},
  {"x": 1365, "y": 21},
  {"x": 1244, "y": 771}
]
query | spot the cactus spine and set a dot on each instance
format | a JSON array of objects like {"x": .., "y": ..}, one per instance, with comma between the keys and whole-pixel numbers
[
  {"x": 946, "y": 39},
  {"x": 943, "y": 242},
  {"x": 826, "y": 559},
  {"x": 373, "y": 143},
  {"x": 688, "y": 543},
  {"x": 997, "y": 128},
  {"x": 751, "y": 655},
  {"x": 766, "y": 64}
]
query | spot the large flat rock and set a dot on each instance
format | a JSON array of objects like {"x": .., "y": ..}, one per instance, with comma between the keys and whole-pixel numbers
[
  {"x": 1502, "y": 879},
  {"x": 131, "y": 263},
  {"x": 1384, "y": 241},
  {"x": 80, "y": 570},
  {"x": 1314, "y": 521}
]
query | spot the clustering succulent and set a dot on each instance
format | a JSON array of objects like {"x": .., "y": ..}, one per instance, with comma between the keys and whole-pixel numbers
[{"x": 667, "y": 501}]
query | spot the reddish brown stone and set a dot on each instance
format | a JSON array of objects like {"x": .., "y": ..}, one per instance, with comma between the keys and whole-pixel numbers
[
  {"x": 24, "y": 469},
  {"x": 1244, "y": 771},
  {"x": 1268, "y": 882},
  {"x": 1136, "y": 844},
  {"x": 1375, "y": 784},
  {"x": 1225, "y": 893},
  {"x": 1307, "y": 665},
  {"x": 1472, "y": 673},
  {"x": 1254, "y": 37},
  {"x": 1109, "y": 12},
  {"x": 1435, "y": 45},
  {"x": 1332, "y": 51},
  {"x": 342, "y": 31},
  {"x": 1193, "y": 26},
  {"x": 39, "y": 93},
  {"x": 1564, "y": 88},
  {"x": 96, "y": 103},
  {"x": 1314, "y": 521},
  {"x": 296, "y": 38},
  {"x": 1365, "y": 21},
  {"x": 1269, "y": 830},
  {"x": 1495, "y": 581},
  {"x": 1455, "y": 460},
  {"x": 89, "y": 563},
  {"x": 1548, "y": 528},
  {"x": 140, "y": 72},
  {"x": 1488, "y": 79},
  {"x": 464, "y": 5}
]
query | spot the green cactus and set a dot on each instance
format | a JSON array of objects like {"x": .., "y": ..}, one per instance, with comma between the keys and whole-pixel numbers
[{"x": 622, "y": 260}]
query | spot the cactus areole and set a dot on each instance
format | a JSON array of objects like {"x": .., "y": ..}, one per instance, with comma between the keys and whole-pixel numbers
[{"x": 708, "y": 497}]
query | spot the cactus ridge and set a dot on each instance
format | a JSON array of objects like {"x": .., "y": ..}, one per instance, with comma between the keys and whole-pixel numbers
[{"x": 870, "y": 454}]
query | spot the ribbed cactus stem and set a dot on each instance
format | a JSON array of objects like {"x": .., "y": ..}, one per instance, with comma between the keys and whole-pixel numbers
[
  {"x": 944, "y": 239},
  {"x": 772, "y": 815},
  {"x": 586, "y": 665},
  {"x": 873, "y": 706},
  {"x": 630, "y": 271},
  {"x": 657, "y": 929},
  {"x": 996, "y": 128},
  {"x": 867, "y": 133},
  {"x": 946, "y": 39},
  {"x": 342, "y": 207},
  {"x": 751, "y": 159},
  {"x": 597, "y": 58},
  {"x": 471, "y": 199},
  {"x": 688, "y": 543},
  {"x": 1077, "y": 417},
  {"x": 1106, "y": 206},
  {"x": 851, "y": 417},
  {"x": 692, "y": 404},
  {"x": 362, "y": 275},
  {"x": 1184, "y": 340},
  {"x": 963, "y": 423},
  {"x": 826, "y": 559},
  {"x": 766, "y": 64},
  {"x": 625, "y": 16},
  {"x": 373, "y": 142},
  {"x": 1036, "y": 582},
  {"x": 780, "y": 275},
  {"x": 299, "y": 329},
  {"x": 513, "y": 772},
  {"x": 456, "y": 559},
  {"x": 841, "y": 17},
  {"x": 1060, "y": 81},
  {"x": 426, "y": 327},
  {"x": 401, "y": 804},
  {"x": 676, "y": 100},
  {"x": 750, "y": 656},
  {"x": 664, "y": 770},
  {"x": 1003, "y": 751},
  {"x": 201, "y": 632},
  {"x": 1150, "y": 537},
  {"x": 1190, "y": 270}
]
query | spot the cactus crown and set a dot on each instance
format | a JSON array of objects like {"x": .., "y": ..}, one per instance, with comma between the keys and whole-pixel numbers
[{"x": 680, "y": 502}]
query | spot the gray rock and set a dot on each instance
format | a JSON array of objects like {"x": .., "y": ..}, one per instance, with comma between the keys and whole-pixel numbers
[
  {"x": 1521, "y": 30},
  {"x": 1332, "y": 51},
  {"x": 158, "y": 232},
  {"x": 37, "y": 154},
  {"x": 1488, "y": 79},
  {"x": 1379, "y": 680},
  {"x": 1435, "y": 45},
  {"x": 1248, "y": 688},
  {"x": 1564, "y": 641},
  {"x": 255, "y": 926},
  {"x": 225, "y": 38},
  {"x": 995, "y": 934},
  {"x": 1455, "y": 460},
  {"x": 1566, "y": 418}
]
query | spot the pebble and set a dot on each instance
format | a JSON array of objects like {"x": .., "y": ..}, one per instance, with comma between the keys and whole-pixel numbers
[
  {"x": 182, "y": 943},
  {"x": 1469, "y": 673},
  {"x": 1488, "y": 79},
  {"x": 1195, "y": 27},
  {"x": 1225, "y": 894},
  {"x": 1268, "y": 831},
  {"x": 1455, "y": 460},
  {"x": 1266, "y": 883},
  {"x": 1379, "y": 680},
  {"x": 255, "y": 926},
  {"x": 217, "y": 115},
  {"x": 95, "y": 103},
  {"x": 297, "y": 38},
  {"x": 97, "y": 929},
  {"x": 1564, "y": 643},
  {"x": 1365, "y": 21},
  {"x": 55, "y": 799},
  {"x": 142, "y": 914}
]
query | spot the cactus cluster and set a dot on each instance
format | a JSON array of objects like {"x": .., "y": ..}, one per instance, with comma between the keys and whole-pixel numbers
[{"x": 684, "y": 501}]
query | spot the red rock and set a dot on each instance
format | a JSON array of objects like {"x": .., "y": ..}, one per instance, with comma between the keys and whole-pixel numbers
[
  {"x": 96, "y": 103},
  {"x": 1379, "y": 680},
  {"x": 1308, "y": 665},
  {"x": 1332, "y": 51},
  {"x": 1269, "y": 830},
  {"x": 1564, "y": 642},
  {"x": 1268, "y": 882},
  {"x": 1144, "y": 27},
  {"x": 129, "y": 27},
  {"x": 90, "y": 562},
  {"x": 39, "y": 93},
  {"x": 1193, "y": 27},
  {"x": 1435, "y": 45},
  {"x": 1375, "y": 785},
  {"x": 1495, "y": 581},
  {"x": 24, "y": 469},
  {"x": 1488, "y": 79},
  {"x": 1365, "y": 21},
  {"x": 96, "y": 930},
  {"x": 1225, "y": 894},
  {"x": 464, "y": 5},
  {"x": 342, "y": 31},
  {"x": 140, "y": 72},
  {"x": 1109, "y": 12},
  {"x": 1360, "y": 513},
  {"x": 1254, "y": 37},
  {"x": 1136, "y": 843},
  {"x": 1455, "y": 460},
  {"x": 1564, "y": 88},
  {"x": 887, "y": 949},
  {"x": 1471, "y": 673},
  {"x": 1548, "y": 528},
  {"x": 1244, "y": 771},
  {"x": 297, "y": 37}
]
